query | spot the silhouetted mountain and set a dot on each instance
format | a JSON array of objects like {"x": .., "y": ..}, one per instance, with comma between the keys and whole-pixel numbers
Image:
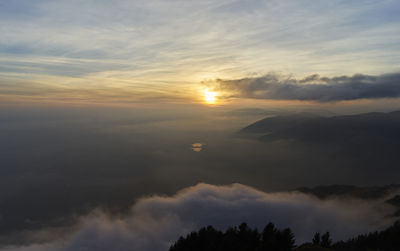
[
  {"x": 278, "y": 123},
  {"x": 360, "y": 143},
  {"x": 358, "y": 129}
]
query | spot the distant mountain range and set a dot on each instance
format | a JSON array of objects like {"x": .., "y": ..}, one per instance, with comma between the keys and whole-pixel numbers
[{"x": 359, "y": 129}]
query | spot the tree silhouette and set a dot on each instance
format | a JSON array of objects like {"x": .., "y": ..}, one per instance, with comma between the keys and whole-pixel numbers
[
  {"x": 386, "y": 240},
  {"x": 285, "y": 240},
  {"x": 244, "y": 238},
  {"x": 326, "y": 240},
  {"x": 248, "y": 239},
  {"x": 316, "y": 239},
  {"x": 241, "y": 238},
  {"x": 273, "y": 239},
  {"x": 269, "y": 237},
  {"x": 205, "y": 239}
]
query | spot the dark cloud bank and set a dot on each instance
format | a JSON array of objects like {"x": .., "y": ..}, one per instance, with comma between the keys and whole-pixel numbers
[
  {"x": 155, "y": 222},
  {"x": 314, "y": 87}
]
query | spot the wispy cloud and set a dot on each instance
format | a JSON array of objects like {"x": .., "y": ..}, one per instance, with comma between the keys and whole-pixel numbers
[{"x": 184, "y": 42}]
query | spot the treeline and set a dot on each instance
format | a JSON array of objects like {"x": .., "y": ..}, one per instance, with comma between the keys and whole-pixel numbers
[
  {"x": 387, "y": 240},
  {"x": 240, "y": 238},
  {"x": 244, "y": 238}
]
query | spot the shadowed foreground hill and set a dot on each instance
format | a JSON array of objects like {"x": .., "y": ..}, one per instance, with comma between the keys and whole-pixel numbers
[{"x": 243, "y": 238}]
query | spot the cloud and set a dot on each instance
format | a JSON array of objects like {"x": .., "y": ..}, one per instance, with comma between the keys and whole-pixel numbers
[
  {"x": 155, "y": 222},
  {"x": 173, "y": 45},
  {"x": 313, "y": 88}
]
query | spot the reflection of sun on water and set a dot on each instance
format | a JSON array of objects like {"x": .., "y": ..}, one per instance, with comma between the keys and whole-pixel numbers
[
  {"x": 210, "y": 97},
  {"x": 197, "y": 147}
]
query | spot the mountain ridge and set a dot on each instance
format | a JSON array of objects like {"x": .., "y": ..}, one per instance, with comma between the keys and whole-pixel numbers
[{"x": 374, "y": 126}]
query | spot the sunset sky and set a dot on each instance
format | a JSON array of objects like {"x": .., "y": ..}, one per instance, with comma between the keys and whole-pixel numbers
[
  {"x": 165, "y": 51},
  {"x": 125, "y": 124}
]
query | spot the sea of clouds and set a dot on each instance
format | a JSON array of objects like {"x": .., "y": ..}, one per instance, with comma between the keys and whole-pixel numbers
[{"x": 155, "y": 222}]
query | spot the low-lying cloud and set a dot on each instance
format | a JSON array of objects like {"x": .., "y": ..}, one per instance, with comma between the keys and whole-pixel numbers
[
  {"x": 313, "y": 88},
  {"x": 155, "y": 222}
]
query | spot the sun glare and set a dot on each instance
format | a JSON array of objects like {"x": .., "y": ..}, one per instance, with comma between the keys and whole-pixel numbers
[{"x": 210, "y": 97}]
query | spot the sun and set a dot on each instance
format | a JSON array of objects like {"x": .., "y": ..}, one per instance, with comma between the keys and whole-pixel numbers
[{"x": 210, "y": 97}]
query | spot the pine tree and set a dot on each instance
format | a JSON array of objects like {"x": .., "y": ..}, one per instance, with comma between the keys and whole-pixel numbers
[
  {"x": 317, "y": 239},
  {"x": 326, "y": 240}
]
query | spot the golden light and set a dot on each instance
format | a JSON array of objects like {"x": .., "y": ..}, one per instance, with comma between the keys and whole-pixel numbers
[{"x": 210, "y": 97}]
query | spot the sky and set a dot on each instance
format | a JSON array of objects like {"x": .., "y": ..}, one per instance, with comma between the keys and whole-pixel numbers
[{"x": 125, "y": 52}]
